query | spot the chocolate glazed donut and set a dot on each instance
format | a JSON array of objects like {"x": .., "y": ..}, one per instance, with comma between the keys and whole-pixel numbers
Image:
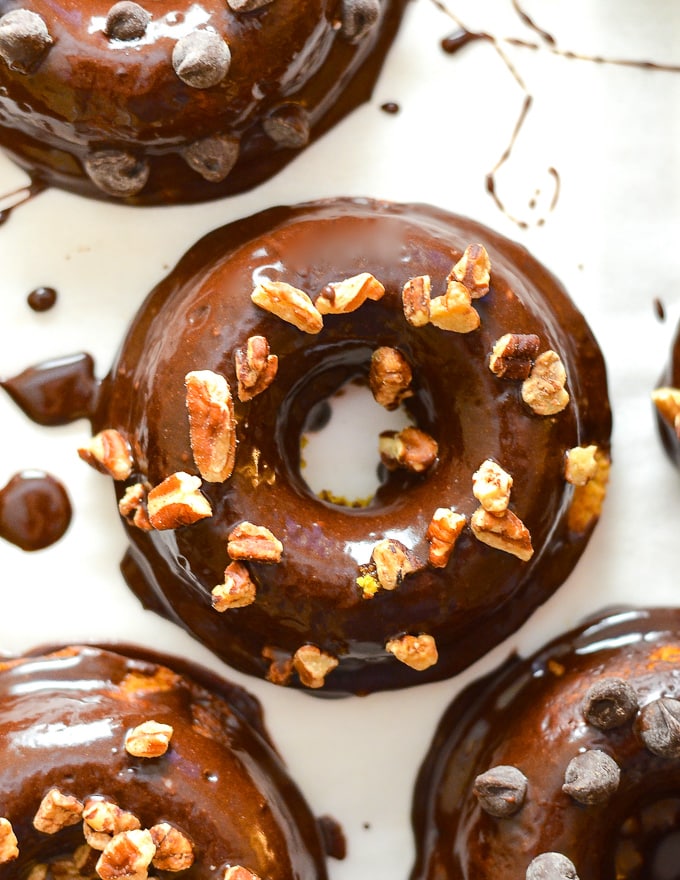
[
  {"x": 114, "y": 766},
  {"x": 563, "y": 765},
  {"x": 178, "y": 102},
  {"x": 450, "y": 556},
  {"x": 667, "y": 400}
]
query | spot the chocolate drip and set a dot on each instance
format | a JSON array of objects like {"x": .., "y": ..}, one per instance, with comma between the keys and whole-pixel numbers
[
  {"x": 21, "y": 196},
  {"x": 57, "y": 391},
  {"x": 35, "y": 510}
]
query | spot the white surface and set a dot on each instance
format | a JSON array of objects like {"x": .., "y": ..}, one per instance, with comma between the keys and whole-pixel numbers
[{"x": 610, "y": 131}]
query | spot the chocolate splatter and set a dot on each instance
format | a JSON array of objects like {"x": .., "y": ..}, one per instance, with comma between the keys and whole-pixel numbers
[
  {"x": 659, "y": 309},
  {"x": 35, "y": 510},
  {"x": 501, "y": 791},
  {"x": 390, "y": 107},
  {"x": 42, "y": 299},
  {"x": 609, "y": 703}
]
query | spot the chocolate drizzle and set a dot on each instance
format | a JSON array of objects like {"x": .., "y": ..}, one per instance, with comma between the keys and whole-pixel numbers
[{"x": 35, "y": 510}]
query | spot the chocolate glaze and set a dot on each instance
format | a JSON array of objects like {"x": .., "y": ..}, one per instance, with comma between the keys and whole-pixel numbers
[
  {"x": 63, "y": 722},
  {"x": 529, "y": 714},
  {"x": 671, "y": 378},
  {"x": 35, "y": 510},
  {"x": 91, "y": 93},
  {"x": 202, "y": 312}
]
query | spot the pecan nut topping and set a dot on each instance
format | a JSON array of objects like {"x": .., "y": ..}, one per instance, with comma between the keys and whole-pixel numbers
[
  {"x": 473, "y": 270},
  {"x": 174, "y": 850},
  {"x": 341, "y": 297},
  {"x": 237, "y": 591},
  {"x": 409, "y": 448},
  {"x": 56, "y": 811},
  {"x": 513, "y": 355},
  {"x": 313, "y": 665},
  {"x": 392, "y": 563},
  {"x": 150, "y": 739},
  {"x": 127, "y": 856},
  {"x": 9, "y": 846},
  {"x": 109, "y": 453},
  {"x": 177, "y": 501},
  {"x": 257, "y": 543},
  {"x": 389, "y": 377},
  {"x": 507, "y": 533},
  {"x": 415, "y": 298},
  {"x": 543, "y": 391},
  {"x": 491, "y": 486},
  {"x": 454, "y": 310},
  {"x": 288, "y": 303},
  {"x": 442, "y": 533},
  {"x": 212, "y": 426},
  {"x": 418, "y": 652},
  {"x": 256, "y": 368}
]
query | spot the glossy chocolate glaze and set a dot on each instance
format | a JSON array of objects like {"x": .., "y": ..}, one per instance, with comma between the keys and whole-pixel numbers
[
  {"x": 63, "y": 722},
  {"x": 35, "y": 510},
  {"x": 671, "y": 378},
  {"x": 202, "y": 312},
  {"x": 529, "y": 715},
  {"x": 90, "y": 93}
]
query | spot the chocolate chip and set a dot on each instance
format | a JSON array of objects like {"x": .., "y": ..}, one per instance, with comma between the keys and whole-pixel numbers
[
  {"x": 288, "y": 126},
  {"x": 358, "y": 17},
  {"x": 610, "y": 702},
  {"x": 201, "y": 59},
  {"x": 126, "y": 21},
  {"x": 24, "y": 39},
  {"x": 659, "y": 727},
  {"x": 117, "y": 173},
  {"x": 591, "y": 777},
  {"x": 213, "y": 157},
  {"x": 501, "y": 790},
  {"x": 551, "y": 866},
  {"x": 247, "y": 5}
]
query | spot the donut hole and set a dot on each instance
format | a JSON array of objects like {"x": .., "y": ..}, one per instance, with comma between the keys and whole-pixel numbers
[
  {"x": 339, "y": 457},
  {"x": 648, "y": 846}
]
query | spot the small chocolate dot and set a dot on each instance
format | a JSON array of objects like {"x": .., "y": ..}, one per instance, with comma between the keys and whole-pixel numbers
[
  {"x": 201, "y": 59},
  {"x": 359, "y": 17},
  {"x": 24, "y": 39},
  {"x": 212, "y": 157},
  {"x": 247, "y": 5},
  {"x": 501, "y": 791},
  {"x": 42, "y": 299},
  {"x": 609, "y": 703},
  {"x": 551, "y": 866},
  {"x": 117, "y": 173},
  {"x": 288, "y": 126},
  {"x": 390, "y": 107},
  {"x": 126, "y": 21},
  {"x": 591, "y": 777},
  {"x": 659, "y": 727}
]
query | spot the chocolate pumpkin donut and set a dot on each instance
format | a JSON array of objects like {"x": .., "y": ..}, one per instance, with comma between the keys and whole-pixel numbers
[
  {"x": 562, "y": 765},
  {"x": 178, "y": 102},
  {"x": 489, "y": 496},
  {"x": 114, "y": 766},
  {"x": 667, "y": 400}
]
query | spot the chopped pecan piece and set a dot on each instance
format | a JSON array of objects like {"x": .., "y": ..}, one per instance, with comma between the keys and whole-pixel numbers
[
  {"x": 127, "y": 856},
  {"x": 109, "y": 453},
  {"x": 174, "y": 850},
  {"x": 513, "y": 355},
  {"x": 177, "y": 501},
  {"x": 38, "y": 872},
  {"x": 313, "y": 665},
  {"x": 280, "y": 665},
  {"x": 345, "y": 296},
  {"x": 580, "y": 465},
  {"x": 473, "y": 270},
  {"x": 150, "y": 739},
  {"x": 103, "y": 819},
  {"x": 667, "y": 402},
  {"x": 389, "y": 377},
  {"x": 418, "y": 652},
  {"x": 132, "y": 507},
  {"x": 236, "y": 872},
  {"x": 491, "y": 486},
  {"x": 212, "y": 426},
  {"x": 248, "y": 541},
  {"x": 57, "y": 811},
  {"x": 288, "y": 303},
  {"x": 237, "y": 591},
  {"x": 586, "y": 503},
  {"x": 255, "y": 368},
  {"x": 415, "y": 299},
  {"x": 409, "y": 448},
  {"x": 544, "y": 390},
  {"x": 9, "y": 846},
  {"x": 507, "y": 533},
  {"x": 454, "y": 311},
  {"x": 442, "y": 534},
  {"x": 392, "y": 563}
]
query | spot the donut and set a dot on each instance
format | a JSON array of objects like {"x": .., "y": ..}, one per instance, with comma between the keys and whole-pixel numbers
[
  {"x": 227, "y": 364},
  {"x": 185, "y": 102},
  {"x": 116, "y": 765},
  {"x": 562, "y": 765},
  {"x": 667, "y": 401}
]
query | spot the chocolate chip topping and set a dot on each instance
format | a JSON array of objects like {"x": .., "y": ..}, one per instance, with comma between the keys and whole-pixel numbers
[
  {"x": 213, "y": 157},
  {"x": 126, "y": 21},
  {"x": 288, "y": 126},
  {"x": 659, "y": 727},
  {"x": 358, "y": 17},
  {"x": 24, "y": 39},
  {"x": 247, "y": 5},
  {"x": 201, "y": 59},
  {"x": 591, "y": 777},
  {"x": 551, "y": 866},
  {"x": 117, "y": 173},
  {"x": 610, "y": 702},
  {"x": 501, "y": 790}
]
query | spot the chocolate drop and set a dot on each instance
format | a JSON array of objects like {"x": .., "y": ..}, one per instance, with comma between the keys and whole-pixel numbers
[
  {"x": 126, "y": 21},
  {"x": 551, "y": 866},
  {"x": 359, "y": 17},
  {"x": 659, "y": 727},
  {"x": 201, "y": 59},
  {"x": 213, "y": 157},
  {"x": 609, "y": 703},
  {"x": 591, "y": 777},
  {"x": 117, "y": 173},
  {"x": 501, "y": 791},
  {"x": 35, "y": 510},
  {"x": 24, "y": 39},
  {"x": 288, "y": 126}
]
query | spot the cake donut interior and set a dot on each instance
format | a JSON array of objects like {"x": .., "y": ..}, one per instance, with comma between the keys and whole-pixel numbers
[
  {"x": 160, "y": 102},
  {"x": 489, "y": 495}
]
